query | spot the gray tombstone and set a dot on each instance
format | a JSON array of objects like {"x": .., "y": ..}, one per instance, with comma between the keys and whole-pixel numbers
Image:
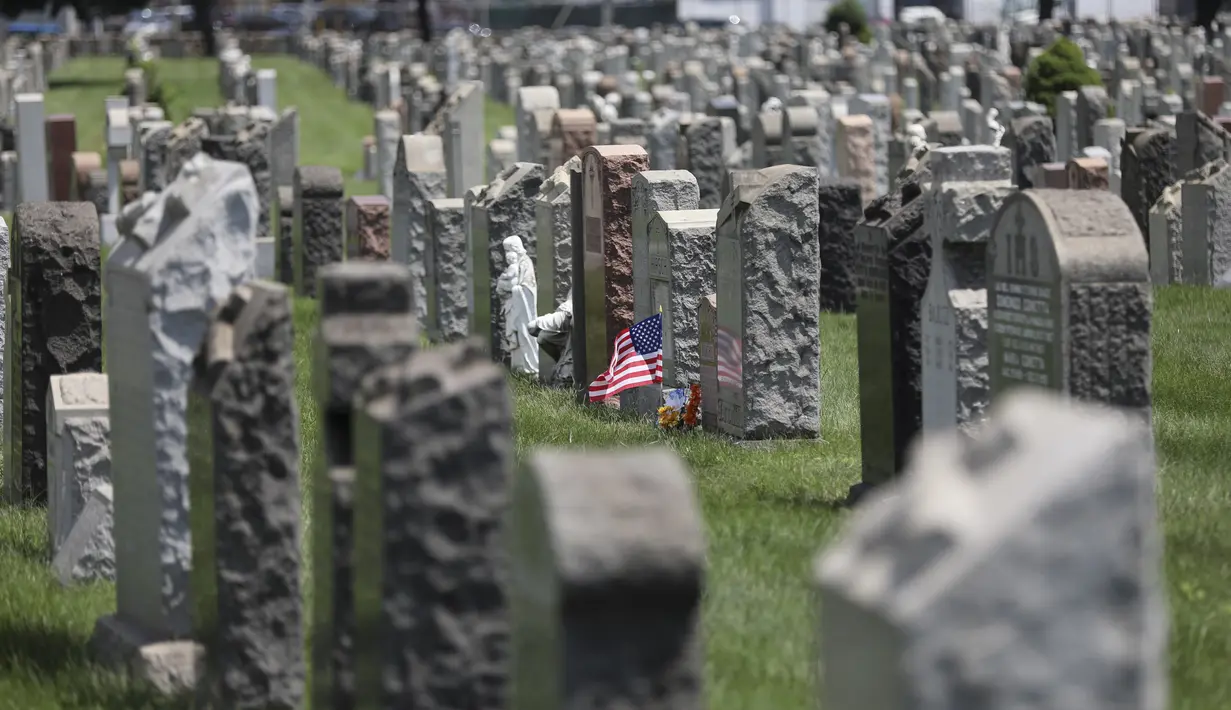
[
  {"x": 163, "y": 280},
  {"x": 419, "y": 176},
  {"x": 1165, "y": 237},
  {"x": 464, "y": 139},
  {"x": 801, "y": 138},
  {"x": 53, "y": 327},
  {"x": 1069, "y": 298},
  {"x": 387, "y": 130},
  {"x": 876, "y": 106},
  {"x": 705, "y": 146},
  {"x": 152, "y": 139},
  {"x": 318, "y": 237},
  {"x": 553, "y": 265},
  {"x": 245, "y": 503},
  {"x": 768, "y": 340},
  {"x": 446, "y": 288},
  {"x": 1020, "y": 568},
  {"x": 366, "y": 322},
  {"x": 653, "y": 191},
  {"x": 531, "y": 102},
  {"x": 681, "y": 271},
  {"x": 840, "y": 208},
  {"x": 1033, "y": 143},
  {"x": 968, "y": 186},
  {"x": 1206, "y": 227},
  {"x": 607, "y": 574},
  {"x": 505, "y": 209},
  {"x": 430, "y": 567},
  {"x": 707, "y": 360},
  {"x": 284, "y": 148},
  {"x": 767, "y": 139}
]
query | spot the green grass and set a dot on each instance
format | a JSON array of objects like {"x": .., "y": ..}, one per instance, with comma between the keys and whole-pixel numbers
[{"x": 767, "y": 514}]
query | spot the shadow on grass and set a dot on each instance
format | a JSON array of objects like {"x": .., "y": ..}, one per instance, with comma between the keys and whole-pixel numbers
[
  {"x": 81, "y": 83},
  {"x": 801, "y": 499},
  {"x": 46, "y": 649}
]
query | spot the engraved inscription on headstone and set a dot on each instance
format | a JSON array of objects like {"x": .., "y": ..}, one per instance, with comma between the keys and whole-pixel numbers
[
  {"x": 1023, "y": 301},
  {"x": 595, "y": 272}
]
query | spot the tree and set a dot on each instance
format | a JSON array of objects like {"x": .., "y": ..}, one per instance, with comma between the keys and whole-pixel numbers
[
  {"x": 1061, "y": 68},
  {"x": 851, "y": 14},
  {"x": 1047, "y": 8}
]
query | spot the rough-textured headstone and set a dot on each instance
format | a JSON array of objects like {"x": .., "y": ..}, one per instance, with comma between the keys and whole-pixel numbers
[
  {"x": 284, "y": 238},
  {"x": 654, "y": 191},
  {"x": 605, "y": 273},
  {"x": 554, "y": 237},
  {"x": 1148, "y": 165},
  {"x": 705, "y": 143},
  {"x": 184, "y": 142},
  {"x": 318, "y": 235},
  {"x": 505, "y": 209},
  {"x": 87, "y": 553},
  {"x": 367, "y": 227},
  {"x": 968, "y": 186},
  {"x": 430, "y": 567},
  {"x": 681, "y": 271},
  {"x": 446, "y": 286},
  {"x": 245, "y": 503},
  {"x": 1092, "y": 105},
  {"x": 1165, "y": 240},
  {"x": 768, "y": 341},
  {"x": 1199, "y": 140},
  {"x": 366, "y": 322},
  {"x": 53, "y": 327},
  {"x": 839, "y": 209},
  {"x": 854, "y": 154},
  {"x": 252, "y": 149},
  {"x": 1039, "y": 538},
  {"x": 152, "y": 137},
  {"x": 572, "y": 131},
  {"x": 1069, "y": 298},
  {"x": 1206, "y": 226},
  {"x": 78, "y": 448},
  {"x": 419, "y": 176},
  {"x": 1033, "y": 143},
  {"x": 164, "y": 279},
  {"x": 606, "y": 584}
]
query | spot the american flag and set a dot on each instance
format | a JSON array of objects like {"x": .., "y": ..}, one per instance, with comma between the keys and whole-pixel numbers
[
  {"x": 729, "y": 357},
  {"x": 636, "y": 362}
]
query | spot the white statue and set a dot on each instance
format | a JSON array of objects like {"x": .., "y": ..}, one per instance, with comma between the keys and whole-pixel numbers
[
  {"x": 554, "y": 332},
  {"x": 917, "y": 135},
  {"x": 994, "y": 128},
  {"x": 520, "y": 290},
  {"x": 772, "y": 105}
]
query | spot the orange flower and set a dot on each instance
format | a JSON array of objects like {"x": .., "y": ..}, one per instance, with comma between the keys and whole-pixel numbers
[{"x": 693, "y": 406}]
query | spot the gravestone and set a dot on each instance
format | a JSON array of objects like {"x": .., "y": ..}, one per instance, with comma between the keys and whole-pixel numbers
[
  {"x": 839, "y": 209},
  {"x": 53, "y": 327},
  {"x": 968, "y": 186},
  {"x": 876, "y": 107},
  {"x": 607, "y": 575},
  {"x": 252, "y": 149},
  {"x": 604, "y": 273},
  {"x": 681, "y": 269},
  {"x": 388, "y": 133},
  {"x": 505, "y": 209},
  {"x": 284, "y": 239},
  {"x": 61, "y": 139},
  {"x": 1068, "y": 143},
  {"x": 1041, "y": 533},
  {"x": 801, "y": 138},
  {"x": 184, "y": 143},
  {"x": 284, "y": 148},
  {"x": 553, "y": 213},
  {"x": 1092, "y": 105},
  {"x": 1033, "y": 143},
  {"x": 653, "y": 191},
  {"x": 768, "y": 339},
  {"x": 1199, "y": 140},
  {"x": 88, "y": 553},
  {"x": 152, "y": 139},
  {"x": 367, "y": 227},
  {"x": 1206, "y": 227},
  {"x": 366, "y": 322},
  {"x": 463, "y": 137},
  {"x": 31, "y": 137},
  {"x": 707, "y": 359},
  {"x": 164, "y": 279},
  {"x": 78, "y": 452},
  {"x": 1069, "y": 299},
  {"x": 1165, "y": 238},
  {"x": 531, "y": 101},
  {"x": 854, "y": 154},
  {"x": 419, "y": 176},
  {"x": 895, "y": 257},
  {"x": 1087, "y": 174},
  {"x": 446, "y": 287},
  {"x": 705, "y": 144},
  {"x": 572, "y": 131},
  {"x": 430, "y": 566},
  {"x": 1148, "y": 167},
  {"x": 243, "y": 451},
  {"x": 318, "y": 236},
  {"x": 767, "y": 138}
]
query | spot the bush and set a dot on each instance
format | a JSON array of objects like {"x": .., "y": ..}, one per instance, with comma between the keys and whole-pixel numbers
[
  {"x": 852, "y": 14},
  {"x": 1061, "y": 68}
]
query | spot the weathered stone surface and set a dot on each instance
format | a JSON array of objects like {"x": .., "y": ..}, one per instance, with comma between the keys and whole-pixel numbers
[
  {"x": 768, "y": 338},
  {"x": 367, "y": 227},
  {"x": 152, "y": 139},
  {"x": 839, "y": 209},
  {"x": 707, "y": 359},
  {"x": 1033, "y": 143},
  {"x": 705, "y": 142},
  {"x": 431, "y": 567},
  {"x": 1069, "y": 299},
  {"x": 54, "y": 327},
  {"x": 854, "y": 154},
  {"x": 608, "y": 570},
  {"x": 1206, "y": 226},
  {"x": 1199, "y": 141},
  {"x": 572, "y": 131},
  {"x": 505, "y": 209},
  {"x": 78, "y": 457},
  {"x": 245, "y": 501},
  {"x": 653, "y": 191},
  {"x": 554, "y": 237},
  {"x": 876, "y": 107},
  {"x": 252, "y": 149},
  {"x": 1087, "y": 174},
  {"x": 285, "y": 238},
  {"x": 662, "y": 137},
  {"x": 1165, "y": 238},
  {"x": 1040, "y": 532},
  {"x": 681, "y": 270},
  {"x": 1092, "y": 105},
  {"x": 606, "y": 272},
  {"x": 1149, "y": 167},
  {"x": 184, "y": 142},
  {"x": 366, "y": 322},
  {"x": 284, "y": 148},
  {"x": 767, "y": 139},
  {"x": 164, "y": 278},
  {"x": 447, "y": 287},
  {"x": 61, "y": 144},
  {"x": 419, "y": 176},
  {"x": 318, "y": 232},
  {"x": 87, "y": 553}
]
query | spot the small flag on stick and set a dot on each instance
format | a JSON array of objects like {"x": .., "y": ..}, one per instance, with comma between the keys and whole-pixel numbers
[{"x": 637, "y": 360}]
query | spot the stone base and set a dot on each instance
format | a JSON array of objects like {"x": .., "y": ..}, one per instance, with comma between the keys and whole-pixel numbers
[
  {"x": 857, "y": 492},
  {"x": 172, "y": 667}
]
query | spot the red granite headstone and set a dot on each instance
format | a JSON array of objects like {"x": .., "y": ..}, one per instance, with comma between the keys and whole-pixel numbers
[{"x": 61, "y": 144}]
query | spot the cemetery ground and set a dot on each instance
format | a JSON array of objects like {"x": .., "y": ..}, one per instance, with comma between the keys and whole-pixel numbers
[{"x": 768, "y": 511}]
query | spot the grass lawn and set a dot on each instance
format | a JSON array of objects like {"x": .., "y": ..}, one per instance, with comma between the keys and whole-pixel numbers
[{"x": 767, "y": 512}]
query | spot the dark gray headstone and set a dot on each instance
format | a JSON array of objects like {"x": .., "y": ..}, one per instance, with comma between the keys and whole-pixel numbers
[
  {"x": 608, "y": 570},
  {"x": 54, "y": 327},
  {"x": 1147, "y": 168},
  {"x": 430, "y": 567},
  {"x": 446, "y": 287},
  {"x": 318, "y": 235},
  {"x": 704, "y": 144},
  {"x": 244, "y": 483},
  {"x": 366, "y": 322},
  {"x": 840, "y": 211},
  {"x": 1033, "y": 143}
]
